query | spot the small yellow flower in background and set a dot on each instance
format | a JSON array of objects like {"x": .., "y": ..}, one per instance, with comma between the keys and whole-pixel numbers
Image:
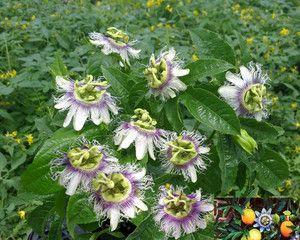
[
  {"x": 204, "y": 13},
  {"x": 12, "y": 134},
  {"x": 18, "y": 140},
  {"x": 98, "y": 3},
  {"x": 9, "y": 74},
  {"x": 33, "y": 17},
  {"x": 280, "y": 189},
  {"x": 273, "y": 16},
  {"x": 246, "y": 14},
  {"x": 152, "y": 28},
  {"x": 195, "y": 57},
  {"x": 160, "y": 25},
  {"x": 168, "y": 25},
  {"x": 265, "y": 40},
  {"x": 24, "y": 26},
  {"x": 167, "y": 185},
  {"x": 294, "y": 69},
  {"x": 288, "y": 183},
  {"x": 282, "y": 68},
  {"x": 22, "y": 214},
  {"x": 294, "y": 105},
  {"x": 274, "y": 99},
  {"x": 29, "y": 139},
  {"x": 169, "y": 8},
  {"x": 297, "y": 124},
  {"x": 235, "y": 8},
  {"x": 152, "y": 3},
  {"x": 250, "y": 40},
  {"x": 284, "y": 32},
  {"x": 267, "y": 56},
  {"x": 195, "y": 13}
]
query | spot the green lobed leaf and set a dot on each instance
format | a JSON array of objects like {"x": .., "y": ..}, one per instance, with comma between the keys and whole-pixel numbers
[
  {"x": 147, "y": 230},
  {"x": 210, "y": 179},
  {"x": 206, "y": 67},
  {"x": 119, "y": 81},
  {"x": 228, "y": 162},
  {"x": 260, "y": 131},
  {"x": 173, "y": 114},
  {"x": 271, "y": 168},
  {"x": 210, "y": 44},
  {"x": 209, "y": 109},
  {"x": 79, "y": 211}
]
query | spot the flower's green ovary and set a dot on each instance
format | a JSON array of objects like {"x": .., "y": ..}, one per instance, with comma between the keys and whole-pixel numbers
[
  {"x": 88, "y": 92},
  {"x": 120, "y": 37},
  {"x": 178, "y": 206},
  {"x": 156, "y": 73},
  {"x": 253, "y": 98},
  {"x": 143, "y": 120},
  {"x": 85, "y": 159},
  {"x": 182, "y": 151},
  {"x": 114, "y": 187}
]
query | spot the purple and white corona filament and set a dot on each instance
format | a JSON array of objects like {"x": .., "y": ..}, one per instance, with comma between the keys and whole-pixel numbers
[
  {"x": 115, "y": 41},
  {"x": 77, "y": 167},
  {"x": 120, "y": 193},
  {"x": 142, "y": 131},
  {"x": 178, "y": 213},
  {"x": 246, "y": 92},
  {"x": 85, "y": 99},
  {"x": 163, "y": 75},
  {"x": 263, "y": 220},
  {"x": 184, "y": 154}
]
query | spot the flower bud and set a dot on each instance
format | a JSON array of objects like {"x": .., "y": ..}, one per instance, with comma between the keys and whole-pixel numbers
[{"x": 246, "y": 141}]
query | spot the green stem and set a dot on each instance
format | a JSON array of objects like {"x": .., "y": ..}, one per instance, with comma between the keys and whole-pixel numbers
[{"x": 7, "y": 55}]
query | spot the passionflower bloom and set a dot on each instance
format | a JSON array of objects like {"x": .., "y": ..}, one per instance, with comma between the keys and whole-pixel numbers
[
  {"x": 178, "y": 213},
  {"x": 85, "y": 99},
  {"x": 162, "y": 75},
  {"x": 77, "y": 167},
  {"x": 141, "y": 130},
  {"x": 184, "y": 154},
  {"x": 264, "y": 220},
  {"x": 120, "y": 193},
  {"x": 115, "y": 41},
  {"x": 246, "y": 92}
]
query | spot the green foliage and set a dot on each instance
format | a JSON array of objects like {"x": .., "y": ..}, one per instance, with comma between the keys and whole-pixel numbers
[{"x": 43, "y": 39}]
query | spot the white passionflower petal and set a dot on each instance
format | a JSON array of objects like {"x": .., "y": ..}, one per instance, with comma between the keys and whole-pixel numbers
[
  {"x": 140, "y": 204},
  {"x": 85, "y": 99},
  {"x": 114, "y": 216},
  {"x": 151, "y": 148},
  {"x": 130, "y": 138},
  {"x": 73, "y": 185},
  {"x": 141, "y": 146},
  {"x": 80, "y": 117},
  {"x": 180, "y": 72},
  {"x": 206, "y": 207},
  {"x": 162, "y": 75},
  {"x": 246, "y": 74},
  {"x": 235, "y": 79},
  {"x": 73, "y": 173},
  {"x": 246, "y": 92},
  {"x": 142, "y": 132},
  {"x": 70, "y": 114},
  {"x": 115, "y": 41},
  {"x": 63, "y": 84},
  {"x": 122, "y": 200},
  {"x": 184, "y": 154},
  {"x": 177, "y": 220},
  {"x": 228, "y": 92},
  {"x": 193, "y": 174}
]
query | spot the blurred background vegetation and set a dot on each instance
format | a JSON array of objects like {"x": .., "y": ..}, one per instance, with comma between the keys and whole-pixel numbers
[{"x": 35, "y": 34}]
